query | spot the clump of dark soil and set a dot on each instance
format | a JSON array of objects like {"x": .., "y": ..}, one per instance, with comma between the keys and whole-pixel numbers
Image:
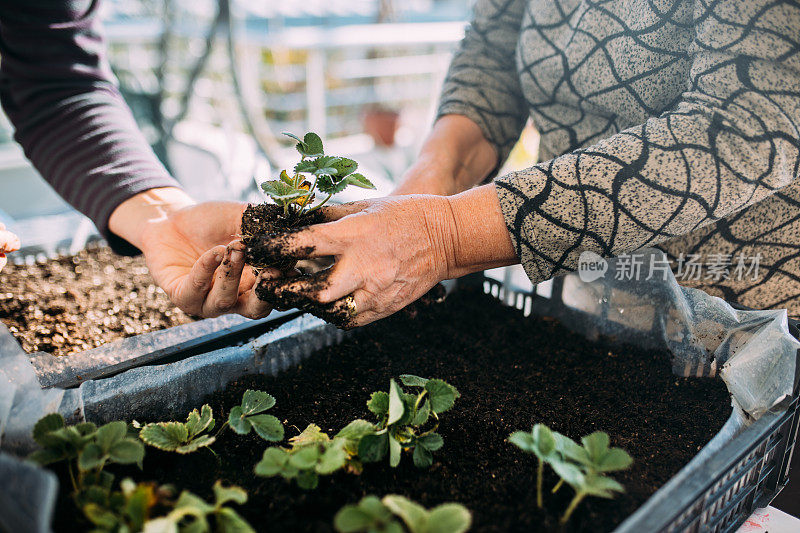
[
  {"x": 512, "y": 372},
  {"x": 265, "y": 221},
  {"x": 75, "y": 303}
]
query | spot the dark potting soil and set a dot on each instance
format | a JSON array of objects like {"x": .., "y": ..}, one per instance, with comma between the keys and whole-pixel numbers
[
  {"x": 512, "y": 372},
  {"x": 74, "y": 303}
]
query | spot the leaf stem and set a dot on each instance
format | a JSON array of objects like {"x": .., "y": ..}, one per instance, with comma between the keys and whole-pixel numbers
[
  {"x": 558, "y": 486},
  {"x": 539, "y": 482},
  {"x": 579, "y": 496},
  {"x": 72, "y": 476},
  {"x": 319, "y": 204},
  {"x": 222, "y": 427}
]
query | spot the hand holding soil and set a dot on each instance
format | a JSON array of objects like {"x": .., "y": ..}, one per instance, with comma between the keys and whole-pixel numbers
[
  {"x": 8, "y": 243},
  {"x": 194, "y": 255}
]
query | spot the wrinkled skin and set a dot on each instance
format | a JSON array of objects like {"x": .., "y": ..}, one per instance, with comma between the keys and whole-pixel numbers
[{"x": 389, "y": 252}]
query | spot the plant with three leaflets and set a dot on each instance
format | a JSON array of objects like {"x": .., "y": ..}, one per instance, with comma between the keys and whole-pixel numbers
[
  {"x": 331, "y": 175},
  {"x": 190, "y": 436},
  {"x": 581, "y": 466},
  {"x": 130, "y": 508},
  {"x": 181, "y": 437},
  {"x": 372, "y": 515},
  {"x": 191, "y": 514},
  {"x": 407, "y": 421},
  {"x": 313, "y": 453}
]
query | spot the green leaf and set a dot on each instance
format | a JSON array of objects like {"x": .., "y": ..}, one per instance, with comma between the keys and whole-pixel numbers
[
  {"x": 352, "y": 519},
  {"x": 223, "y": 495},
  {"x": 296, "y": 138},
  {"x": 267, "y": 427},
  {"x": 359, "y": 180},
  {"x": 46, "y": 456},
  {"x": 396, "y": 405},
  {"x": 198, "y": 422},
  {"x": 422, "y": 415},
  {"x": 545, "y": 441},
  {"x": 256, "y": 401},
  {"x": 305, "y": 166},
  {"x": 286, "y": 178},
  {"x": 353, "y": 432},
  {"x": 410, "y": 380},
  {"x": 395, "y": 450},
  {"x": 307, "y": 480},
  {"x": 413, "y": 514},
  {"x": 229, "y": 521},
  {"x": 45, "y": 425},
  {"x": 615, "y": 459},
  {"x": 282, "y": 192},
  {"x": 571, "y": 449},
  {"x": 333, "y": 459},
  {"x": 311, "y": 435},
  {"x": 272, "y": 462},
  {"x": 313, "y": 145},
  {"x": 373, "y": 448},
  {"x": 165, "y": 436},
  {"x": 449, "y": 518},
  {"x": 237, "y": 421},
  {"x": 344, "y": 166},
  {"x": 523, "y": 440},
  {"x": 100, "y": 517},
  {"x": 422, "y": 457},
  {"x": 91, "y": 457},
  {"x": 196, "y": 443},
  {"x": 432, "y": 442},
  {"x": 442, "y": 395},
  {"x": 596, "y": 444},
  {"x": 378, "y": 404},
  {"x": 570, "y": 473},
  {"x": 304, "y": 458},
  {"x": 127, "y": 452},
  {"x": 110, "y": 434},
  {"x": 328, "y": 185},
  {"x": 601, "y": 486}
]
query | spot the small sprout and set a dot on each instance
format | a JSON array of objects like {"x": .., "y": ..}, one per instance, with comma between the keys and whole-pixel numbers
[
  {"x": 540, "y": 442},
  {"x": 129, "y": 509},
  {"x": 404, "y": 421},
  {"x": 372, "y": 515},
  {"x": 581, "y": 467},
  {"x": 192, "y": 513},
  {"x": 59, "y": 442},
  {"x": 313, "y": 453},
  {"x": 181, "y": 437},
  {"x": 249, "y": 416},
  {"x": 331, "y": 175}
]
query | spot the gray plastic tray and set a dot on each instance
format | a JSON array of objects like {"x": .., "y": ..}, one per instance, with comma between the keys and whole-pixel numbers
[{"x": 739, "y": 470}]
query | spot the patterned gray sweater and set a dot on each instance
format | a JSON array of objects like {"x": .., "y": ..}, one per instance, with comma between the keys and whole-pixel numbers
[{"x": 670, "y": 123}]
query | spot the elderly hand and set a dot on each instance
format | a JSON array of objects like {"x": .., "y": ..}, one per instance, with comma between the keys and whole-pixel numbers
[
  {"x": 391, "y": 251},
  {"x": 8, "y": 243},
  {"x": 192, "y": 251}
]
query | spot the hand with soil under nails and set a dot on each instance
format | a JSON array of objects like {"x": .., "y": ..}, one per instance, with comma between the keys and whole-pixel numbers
[
  {"x": 193, "y": 251},
  {"x": 388, "y": 253},
  {"x": 8, "y": 243}
]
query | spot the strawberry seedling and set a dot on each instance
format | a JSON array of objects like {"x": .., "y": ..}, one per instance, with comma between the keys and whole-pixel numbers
[
  {"x": 372, "y": 515},
  {"x": 407, "y": 421}
]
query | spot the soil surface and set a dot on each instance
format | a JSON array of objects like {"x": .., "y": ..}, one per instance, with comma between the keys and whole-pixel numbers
[
  {"x": 76, "y": 303},
  {"x": 512, "y": 372}
]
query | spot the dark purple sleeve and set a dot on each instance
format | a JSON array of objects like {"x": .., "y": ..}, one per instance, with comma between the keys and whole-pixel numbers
[{"x": 58, "y": 91}]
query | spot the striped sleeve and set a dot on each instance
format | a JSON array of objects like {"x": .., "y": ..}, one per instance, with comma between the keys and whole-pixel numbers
[
  {"x": 482, "y": 82},
  {"x": 58, "y": 91}
]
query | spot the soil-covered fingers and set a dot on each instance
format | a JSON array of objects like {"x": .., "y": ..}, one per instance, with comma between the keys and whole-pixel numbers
[
  {"x": 192, "y": 290},
  {"x": 331, "y": 213},
  {"x": 310, "y": 290},
  {"x": 251, "y": 306},
  {"x": 319, "y": 240},
  {"x": 223, "y": 297}
]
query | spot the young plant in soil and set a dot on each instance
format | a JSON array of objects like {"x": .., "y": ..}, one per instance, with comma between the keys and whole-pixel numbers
[
  {"x": 408, "y": 421},
  {"x": 87, "y": 450},
  {"x": 373, "y": 515},
  {"x": 313, "y": 453},
  {"x": 293, "y": 195},
  {"x": 190, "y": 436},
  {"x": 580, "y": 466}
]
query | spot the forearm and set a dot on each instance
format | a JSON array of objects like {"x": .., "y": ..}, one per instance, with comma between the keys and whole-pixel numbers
[
  {"x": 455, "y": 157},
  {"x": 478, "y": 237}
]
